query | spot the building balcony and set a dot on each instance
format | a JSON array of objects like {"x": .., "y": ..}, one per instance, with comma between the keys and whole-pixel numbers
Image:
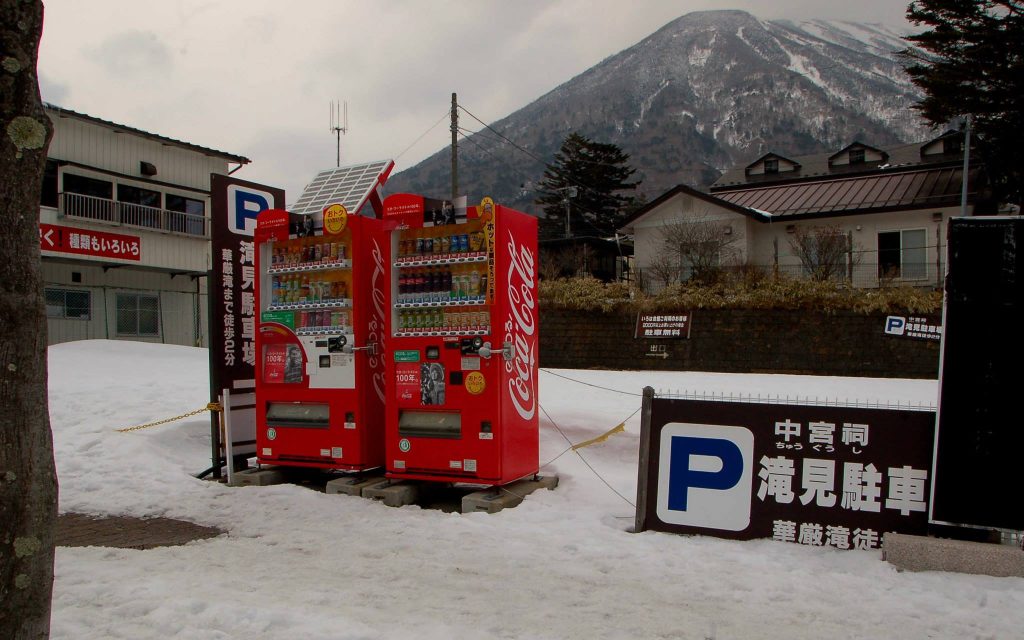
[{"x": 93, "y": 209}]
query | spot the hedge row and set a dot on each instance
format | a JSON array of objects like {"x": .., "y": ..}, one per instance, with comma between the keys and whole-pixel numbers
[{"x": 590, "y": 294}]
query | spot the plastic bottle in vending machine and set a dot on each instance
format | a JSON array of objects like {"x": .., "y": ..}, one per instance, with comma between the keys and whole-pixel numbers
[
  {"x": 453, "y": 286},
  {"x": 440, "y": 286},
  {"x": 432, "y": 284},
  {"x": 474, "y": 283}
]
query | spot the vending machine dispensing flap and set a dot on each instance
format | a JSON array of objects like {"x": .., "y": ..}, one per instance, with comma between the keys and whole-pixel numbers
[
  {"x": 298, "y": 414},
  {"x": 430, "y": 424}
]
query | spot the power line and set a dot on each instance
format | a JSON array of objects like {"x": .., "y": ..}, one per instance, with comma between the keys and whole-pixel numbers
[
  {"x": 567, "y": 179},
  {"x": 424, "y": 134}
]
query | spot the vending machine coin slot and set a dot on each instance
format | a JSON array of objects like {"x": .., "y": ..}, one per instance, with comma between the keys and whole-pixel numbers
[
  {"x": 336, "y": 345},
  {"x": 433, "y": 353},
  {"x": 470, "y": 346}
]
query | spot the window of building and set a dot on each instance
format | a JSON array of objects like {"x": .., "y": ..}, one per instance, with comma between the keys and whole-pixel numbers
[
  {"x": 140, "y": 207},
  {"x": 697, "y": 256},
  {"x": 68, "y": 304},
  {"x": 138, "y": 314},
  {"x": 88, "y": 197},
  {"x": 771, "y": 165},
  {"x": 188, "y": 214},
  {"x": 857, "y": 156},
  {"x": 953, "y": 145},
  {"x": 88, "y": 186},
  {"x": 48, "y": 195},
  {"x": 902, "y": 254}
]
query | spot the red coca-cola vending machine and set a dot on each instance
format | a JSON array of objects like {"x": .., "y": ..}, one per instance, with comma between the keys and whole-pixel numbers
[
  {"x": 462, "y": 354},
  {"x": 323, "y": 300}
]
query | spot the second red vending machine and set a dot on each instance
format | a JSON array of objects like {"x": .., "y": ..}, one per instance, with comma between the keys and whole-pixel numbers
[
  {"x": 462, "y": 354},
  {"x": 322, "y": 296}
]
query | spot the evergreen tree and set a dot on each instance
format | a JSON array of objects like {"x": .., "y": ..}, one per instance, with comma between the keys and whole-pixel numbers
[
  {"x": 593, "y": 177},
  {"x": 971, "y": 61}
]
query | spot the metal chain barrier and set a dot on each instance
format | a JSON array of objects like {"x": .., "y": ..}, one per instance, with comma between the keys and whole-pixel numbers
[{"x": 212, "y": 406}]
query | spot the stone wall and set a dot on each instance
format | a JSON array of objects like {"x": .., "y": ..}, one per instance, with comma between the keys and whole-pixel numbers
[{"x": 740, "y": 341}]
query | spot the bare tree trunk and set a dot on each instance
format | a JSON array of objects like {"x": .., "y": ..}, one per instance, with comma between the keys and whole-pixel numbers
[{"x": 28, "y": 482}]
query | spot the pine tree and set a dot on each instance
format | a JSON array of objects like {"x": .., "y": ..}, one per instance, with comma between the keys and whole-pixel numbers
[
  {"x": 592, "y": 176},
  {"x": 971, "y": 61}
]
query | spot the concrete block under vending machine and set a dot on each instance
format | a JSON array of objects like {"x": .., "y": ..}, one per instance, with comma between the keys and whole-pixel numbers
[
  {"x": 494, "y": 500},
  {"x": 261, "y": 477},
  {"x": 354, "y": 485},
  {"x": 393, "y": 494}
]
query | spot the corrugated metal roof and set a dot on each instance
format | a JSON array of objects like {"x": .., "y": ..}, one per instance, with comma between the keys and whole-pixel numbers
[
  {"x": 231, "y": 157},
  {"x": 912, "y": 189}
]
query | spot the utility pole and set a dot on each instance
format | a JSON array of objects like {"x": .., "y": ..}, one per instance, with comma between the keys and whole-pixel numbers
[
  {"x": 567, "y": 192},
  {"x": 455, "y": 148},
  {"x": 967, "y": 163}
]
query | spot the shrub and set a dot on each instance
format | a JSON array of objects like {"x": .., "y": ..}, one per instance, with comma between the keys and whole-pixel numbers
[{"x": 739, "y": 292}]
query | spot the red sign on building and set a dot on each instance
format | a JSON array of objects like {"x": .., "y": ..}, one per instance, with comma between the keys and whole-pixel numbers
[{"x": 60, "y": 239}]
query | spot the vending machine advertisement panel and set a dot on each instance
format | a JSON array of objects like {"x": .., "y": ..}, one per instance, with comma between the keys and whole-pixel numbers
[
  {"x": 322, "y": 300},
  {"x": 462, "y": 358}
]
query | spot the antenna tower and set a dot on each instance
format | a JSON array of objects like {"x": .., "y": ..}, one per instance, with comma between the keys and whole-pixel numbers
[{"x": 339, "y": 123}]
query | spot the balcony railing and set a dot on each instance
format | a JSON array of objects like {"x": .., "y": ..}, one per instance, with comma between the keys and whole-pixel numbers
[{"x": 76, "y": 205}]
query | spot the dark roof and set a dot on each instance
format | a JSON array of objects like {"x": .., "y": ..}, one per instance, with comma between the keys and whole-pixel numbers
[
  {"x": 858, "y": 194},
  {"x": 857, "y": 145},
  {"x": 683, "y": 189},
  {"x": 770, "y": 154},
  {"x": 67, "y": 113},
  {"x": 906, "y": 157}
]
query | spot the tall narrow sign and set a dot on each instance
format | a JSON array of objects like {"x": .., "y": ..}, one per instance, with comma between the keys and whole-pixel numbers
[{"x": 234, "y": 207}]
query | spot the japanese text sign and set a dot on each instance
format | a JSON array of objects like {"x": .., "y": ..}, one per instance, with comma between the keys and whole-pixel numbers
[
  {"x": 61, "y": 239},
  {"x": 672, "y": 325},
  {"x": 235, "y": 205},
  {"x": 814, "y": 475}
]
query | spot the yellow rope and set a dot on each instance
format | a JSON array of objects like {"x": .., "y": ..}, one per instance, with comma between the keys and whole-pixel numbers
[
  {"x": 601, "y": 438},
  {"x": 213, "y": 406}
]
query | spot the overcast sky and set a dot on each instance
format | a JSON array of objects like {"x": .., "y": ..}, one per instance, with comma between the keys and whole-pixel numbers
[{"x": 256, "y": 77}]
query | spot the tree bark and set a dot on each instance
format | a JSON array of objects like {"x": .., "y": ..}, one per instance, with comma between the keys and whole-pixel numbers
[{"x": 28, "y": 482}]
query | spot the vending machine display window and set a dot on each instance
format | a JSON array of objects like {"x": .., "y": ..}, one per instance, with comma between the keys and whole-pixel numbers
[{"x": 443, "y": 281}]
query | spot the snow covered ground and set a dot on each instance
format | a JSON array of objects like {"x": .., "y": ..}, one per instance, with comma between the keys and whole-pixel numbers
[{"x": 300, "y": 564}]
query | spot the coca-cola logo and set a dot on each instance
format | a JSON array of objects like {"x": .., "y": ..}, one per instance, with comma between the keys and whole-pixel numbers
[
  {"x": 521, "y": 329},
  {"x": 375, "y": 335}
]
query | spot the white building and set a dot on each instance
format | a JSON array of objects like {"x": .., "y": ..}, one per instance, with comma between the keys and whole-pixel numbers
[
  {"x": 890, "y": 206},
  {"x": 124, "y": 232}
]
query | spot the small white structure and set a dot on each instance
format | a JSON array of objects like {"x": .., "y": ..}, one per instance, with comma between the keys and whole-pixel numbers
[{"x": 124, "y": 232}]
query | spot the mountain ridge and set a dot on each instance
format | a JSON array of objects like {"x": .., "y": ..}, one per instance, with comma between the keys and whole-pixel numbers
[{"x": 705, "y": 92}]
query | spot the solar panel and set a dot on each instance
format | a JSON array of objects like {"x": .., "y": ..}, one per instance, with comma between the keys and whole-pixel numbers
[{"x": 350, "y": 186}]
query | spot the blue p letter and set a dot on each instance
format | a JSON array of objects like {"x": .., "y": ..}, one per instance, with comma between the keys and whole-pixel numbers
[{"x": 682, "y": 477}]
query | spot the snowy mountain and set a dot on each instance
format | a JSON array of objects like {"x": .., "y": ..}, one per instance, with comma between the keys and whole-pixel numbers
[{"x": 707, "y": 91}]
